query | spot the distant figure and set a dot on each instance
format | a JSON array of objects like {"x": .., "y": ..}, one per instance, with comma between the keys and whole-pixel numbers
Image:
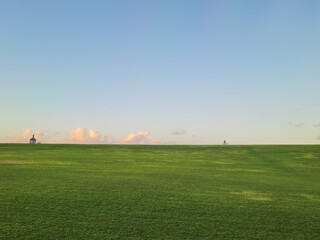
[
  {"x": 33, "y": 140},
  {"x": 225, "y": 142}
]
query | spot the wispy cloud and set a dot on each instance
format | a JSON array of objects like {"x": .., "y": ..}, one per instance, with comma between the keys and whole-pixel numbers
[
  {"x": 15, "y": 138},
  {"x": 317, "y": 125},
  {"x": 305, "y": 107},
  {"x": 178, "y": 132},
  {"x": 299, "y": 125},
  {"x": 318, "y": 138}
]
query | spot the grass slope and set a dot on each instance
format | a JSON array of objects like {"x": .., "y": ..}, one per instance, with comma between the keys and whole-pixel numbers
[{"x": 159, "y": 192}]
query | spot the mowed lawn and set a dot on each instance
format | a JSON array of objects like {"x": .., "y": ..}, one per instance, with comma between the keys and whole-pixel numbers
[{"x": 159, "y": 192}]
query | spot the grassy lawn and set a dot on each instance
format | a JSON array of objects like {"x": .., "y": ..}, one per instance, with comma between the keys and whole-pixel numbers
[{"x": 159, "y": 192}]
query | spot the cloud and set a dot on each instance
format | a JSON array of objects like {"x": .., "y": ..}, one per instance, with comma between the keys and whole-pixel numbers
[
  {"x": 45, "y": 136},
  {"x": 82, "y": 135},
  {"x": 317, "y": 125},
  {"x": 299, "y": 125},
  {"x": 15, "y": 138},
  {"x": 178, "y": 132},
  {"x": 41, "y": 136},
  {"x": 136, "y": 138},
  {"x": 26, "y": 133},
  {"x": 318, "y": 138},
  {"x": 77, "y": 134},
  {"x": 93, "y": 134},
  {"x": 139, "y": 138}
]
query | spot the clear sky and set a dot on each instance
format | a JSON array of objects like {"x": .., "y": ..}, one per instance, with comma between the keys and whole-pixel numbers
[{"x": 140, "y": 71}]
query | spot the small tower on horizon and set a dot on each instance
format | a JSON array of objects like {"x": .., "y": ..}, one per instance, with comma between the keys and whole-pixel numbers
[{"x": 33, "y": 140}]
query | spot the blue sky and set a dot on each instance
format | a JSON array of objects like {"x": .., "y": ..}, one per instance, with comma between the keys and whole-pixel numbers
[{"x": 184, "y": 72}]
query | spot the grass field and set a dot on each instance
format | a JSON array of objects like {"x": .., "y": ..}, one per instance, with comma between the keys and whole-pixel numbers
[{"x": 159, "y": 192}]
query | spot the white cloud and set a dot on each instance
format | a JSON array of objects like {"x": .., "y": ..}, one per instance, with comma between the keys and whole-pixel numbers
[
  {"x": 26, "y": 133},
  {"x": 81, "y": 135},
  {"x": 77, "y": 134},
  {"x": 93, "y": 134},
  {"x": 136, "y": 138},
  {"x": 40, "y": 136}
]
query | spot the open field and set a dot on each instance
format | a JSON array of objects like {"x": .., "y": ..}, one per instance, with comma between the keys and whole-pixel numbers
[{"x": 159, "y": 192}]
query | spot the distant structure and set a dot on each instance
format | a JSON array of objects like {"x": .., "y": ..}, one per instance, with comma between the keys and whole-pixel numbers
[
  {"x": 33, "y": 140},
  {"x": 225, "y": 142}
]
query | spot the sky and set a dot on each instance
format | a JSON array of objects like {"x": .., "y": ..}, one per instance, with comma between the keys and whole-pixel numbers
[{"x": 160, "y": 72}]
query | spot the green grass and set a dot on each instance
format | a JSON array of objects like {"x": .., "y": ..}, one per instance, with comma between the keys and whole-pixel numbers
[{"x": 159, "y": 192}]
